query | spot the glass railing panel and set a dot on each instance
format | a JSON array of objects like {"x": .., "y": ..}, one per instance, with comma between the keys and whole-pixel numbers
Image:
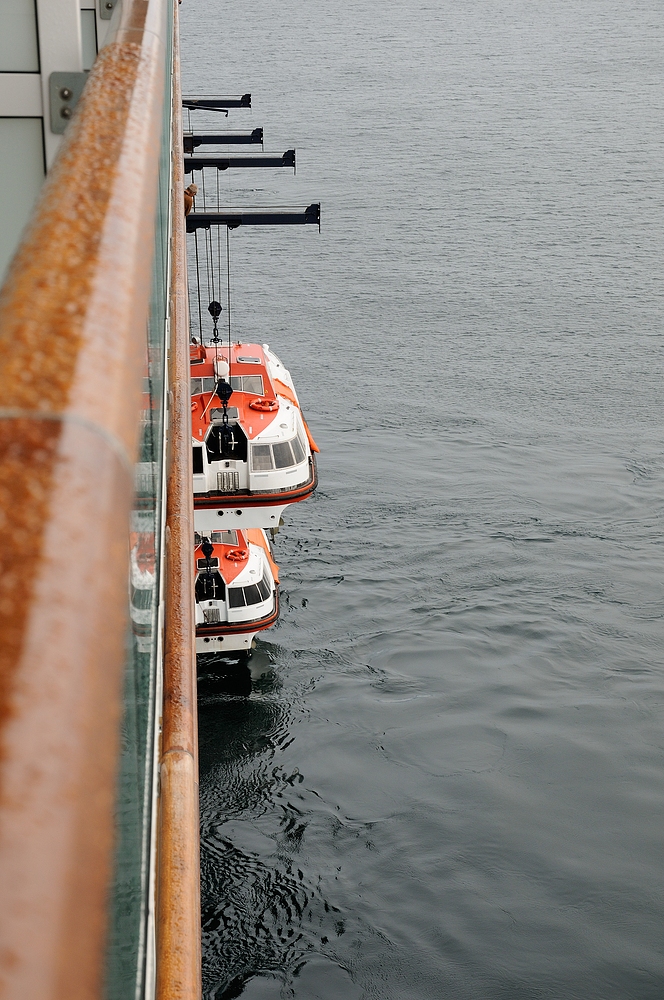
[{"x": 129, "y": 948}]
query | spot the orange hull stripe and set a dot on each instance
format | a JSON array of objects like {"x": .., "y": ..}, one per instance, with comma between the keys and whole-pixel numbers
[{"x": 312, "y": 443}]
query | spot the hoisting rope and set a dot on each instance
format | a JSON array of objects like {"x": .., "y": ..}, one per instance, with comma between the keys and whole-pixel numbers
[
  {"x": 213, "y": 281},
  {"x": 209, "y": 279},
  {"x": 228, "y": 297},
  {"x": 209, "y": 265},
  {"x": 217, "y": 310}
]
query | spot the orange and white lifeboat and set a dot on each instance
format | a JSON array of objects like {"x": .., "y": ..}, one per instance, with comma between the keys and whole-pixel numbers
[
  {"x": 252, "y": 453},
  {"x": 236, "y": 582}
]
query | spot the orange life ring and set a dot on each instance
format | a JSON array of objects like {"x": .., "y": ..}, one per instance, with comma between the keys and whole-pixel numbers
[
  {"x": 264, "y": 405},
  {"x": 194, "y": 405},
  {"x": 237, "y": 555}
]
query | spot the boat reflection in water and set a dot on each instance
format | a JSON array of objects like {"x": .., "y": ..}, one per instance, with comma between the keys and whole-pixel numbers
[{"x": 268, "y": 927}]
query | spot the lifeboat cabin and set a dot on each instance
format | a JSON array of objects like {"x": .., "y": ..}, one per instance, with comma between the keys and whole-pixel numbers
[
  {"x": 236, "y": 589},
  {"x": 252, "y": 451}
]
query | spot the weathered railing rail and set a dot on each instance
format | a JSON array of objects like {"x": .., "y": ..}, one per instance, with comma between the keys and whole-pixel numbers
[
  {"x": 72, "y": 344},
  {"x": 178, "y": 881}
]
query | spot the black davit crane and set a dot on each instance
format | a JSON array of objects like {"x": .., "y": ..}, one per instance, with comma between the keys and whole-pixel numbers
[
  {"x": 216, "y": 103},
  {"x": 210, "y": 216},
  {"x": 201, "y": 160},
  {"x": 234, "y": 217},
  {"x": 191, "y": 140}
]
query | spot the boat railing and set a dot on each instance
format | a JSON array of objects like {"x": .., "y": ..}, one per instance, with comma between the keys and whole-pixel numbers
[{"x": 73, "y": 314}]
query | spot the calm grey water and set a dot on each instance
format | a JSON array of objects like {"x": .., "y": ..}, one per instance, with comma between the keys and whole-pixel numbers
[{"x": 448, "y": 781}]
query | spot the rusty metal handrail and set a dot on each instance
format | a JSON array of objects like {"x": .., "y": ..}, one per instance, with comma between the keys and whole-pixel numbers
[
  {"x": 72, "y": 342},
  {"x": 178, "y": 849}
]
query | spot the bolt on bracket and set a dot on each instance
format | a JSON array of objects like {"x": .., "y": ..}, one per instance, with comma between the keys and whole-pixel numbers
[
  {"x": 106, "y": 8},
  {"x": 64, "y": 90}
]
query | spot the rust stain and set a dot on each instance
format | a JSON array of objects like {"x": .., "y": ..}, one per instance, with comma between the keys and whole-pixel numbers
[
  {"x": 178, "y": 941},
  {"x": 135, "y": 17},
  {"x": 27, "y": 456}
]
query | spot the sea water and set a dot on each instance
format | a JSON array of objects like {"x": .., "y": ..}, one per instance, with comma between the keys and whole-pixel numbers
[{"x": 447, "y": 781}]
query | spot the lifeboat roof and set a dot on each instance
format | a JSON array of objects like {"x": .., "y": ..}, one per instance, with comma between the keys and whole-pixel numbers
[
  {"x": 256, "y": 368},
  {"x": 234, "y": 552}
]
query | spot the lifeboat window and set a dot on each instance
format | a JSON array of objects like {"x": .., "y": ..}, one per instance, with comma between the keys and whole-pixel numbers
[
  {"x": 298, "y": 450},
  {"x": 253, "y": 383},
  {"x": 283, "y": 456},
  {"x": 198, "y": 461},
  {"x": 264, "y": 588},
  {"x": 249, "y": 361},
  {"x": 248, "y": 383},
  {"x": 261, "y": 458},
  {"x": 203, "y": 385},
  {"x": 217, "y": 414},
  {"x": 210, "y": 587},
  {"x": 202, "y": 563},
  {"x": 224, "y": 538},
  {"x": 235, "y": 597},
  {"x": 252, "y": 594}
]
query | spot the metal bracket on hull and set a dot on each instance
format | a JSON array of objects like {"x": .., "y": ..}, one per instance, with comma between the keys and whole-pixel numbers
[
  {"x": 193, "y": 139},
  {"x": 64, "y": 90},
  {"x": 106, "y": 8},
  {"x": 286, "y": 159},
  {"x": 234, "y": 217},
  {"x": 216, "y": 103}
]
